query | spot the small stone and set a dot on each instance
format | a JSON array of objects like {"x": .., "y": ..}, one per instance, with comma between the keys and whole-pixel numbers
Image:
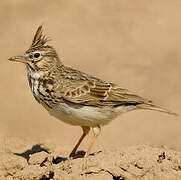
[{"x": 41, "y": 159}]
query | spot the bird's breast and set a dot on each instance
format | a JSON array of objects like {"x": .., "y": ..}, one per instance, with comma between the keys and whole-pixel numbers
[{"x": 36, "y": 83}]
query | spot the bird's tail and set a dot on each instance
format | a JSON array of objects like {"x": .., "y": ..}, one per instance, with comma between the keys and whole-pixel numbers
[{"x": 151, "y": 106}]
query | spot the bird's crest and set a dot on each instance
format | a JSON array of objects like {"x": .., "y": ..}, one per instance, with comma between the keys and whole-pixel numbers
[{"x": 39, "y": 40}]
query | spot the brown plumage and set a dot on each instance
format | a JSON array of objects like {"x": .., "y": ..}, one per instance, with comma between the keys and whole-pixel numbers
[{"x": 73, "y": 96}]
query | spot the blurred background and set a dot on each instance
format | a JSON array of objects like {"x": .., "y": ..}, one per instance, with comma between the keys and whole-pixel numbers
[{"x": 135, "y": 44}]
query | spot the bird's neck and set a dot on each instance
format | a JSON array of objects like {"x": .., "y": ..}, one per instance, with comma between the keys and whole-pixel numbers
[
  {"x": 41, "y": 72},
  {"x": 35, "y": 74}
]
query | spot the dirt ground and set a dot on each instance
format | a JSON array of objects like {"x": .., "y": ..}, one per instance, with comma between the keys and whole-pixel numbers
[
  {"x": 26, "y": 159},
  {"x": 135, "y": 44}
]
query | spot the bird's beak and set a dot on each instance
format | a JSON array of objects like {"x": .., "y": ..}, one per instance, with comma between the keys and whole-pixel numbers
[{"x": 18, "y": 59}]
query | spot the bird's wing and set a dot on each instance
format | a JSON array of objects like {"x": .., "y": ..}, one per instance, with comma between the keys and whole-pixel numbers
[{"x": 80, "y": 88}]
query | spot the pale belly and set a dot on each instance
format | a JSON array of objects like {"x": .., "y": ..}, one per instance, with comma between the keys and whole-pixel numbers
[{"x": 80, "y": 115}]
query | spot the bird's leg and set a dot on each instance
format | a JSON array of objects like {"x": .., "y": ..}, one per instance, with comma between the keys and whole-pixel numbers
[
  {"x": 85, "y": 132},
  {"x": 96, "y": 132}
]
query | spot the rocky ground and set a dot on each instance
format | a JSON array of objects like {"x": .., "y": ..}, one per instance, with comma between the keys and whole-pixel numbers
[{"x": 29, "y": 160}]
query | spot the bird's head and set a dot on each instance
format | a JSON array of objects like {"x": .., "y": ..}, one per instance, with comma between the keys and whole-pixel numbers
[{"x": 39, "y": 56}]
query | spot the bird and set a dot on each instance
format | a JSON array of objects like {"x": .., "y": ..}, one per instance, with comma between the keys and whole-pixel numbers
[{"x": 75, "y": 97}]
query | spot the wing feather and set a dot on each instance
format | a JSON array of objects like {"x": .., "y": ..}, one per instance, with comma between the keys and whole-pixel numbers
[{"x": 84, "y": 89}]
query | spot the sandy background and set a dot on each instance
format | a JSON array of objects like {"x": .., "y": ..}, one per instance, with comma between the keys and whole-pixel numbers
[{"x": 135, "y": 44}]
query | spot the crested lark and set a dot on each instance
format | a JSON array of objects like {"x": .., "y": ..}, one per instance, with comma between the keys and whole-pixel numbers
[{"x": 73, "y": 96}]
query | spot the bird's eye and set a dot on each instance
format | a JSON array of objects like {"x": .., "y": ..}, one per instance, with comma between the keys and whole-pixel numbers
[
  {"x": 30, "y": 56},
  {"x": 36, "y": 55}
]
